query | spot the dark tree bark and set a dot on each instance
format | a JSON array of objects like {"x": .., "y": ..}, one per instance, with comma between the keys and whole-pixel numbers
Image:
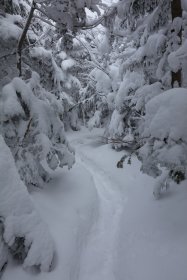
[
  {"x": 176, "y": 11},
  {"x": 22, "y": 38}
]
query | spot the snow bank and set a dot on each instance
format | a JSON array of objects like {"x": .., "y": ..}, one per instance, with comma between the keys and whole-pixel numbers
[{"x": 24, "y": 233}]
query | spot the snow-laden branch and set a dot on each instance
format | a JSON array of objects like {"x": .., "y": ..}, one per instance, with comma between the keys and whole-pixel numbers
[
  {"x": 109, "y": 12},
  {"x": 93, "y": 60}
]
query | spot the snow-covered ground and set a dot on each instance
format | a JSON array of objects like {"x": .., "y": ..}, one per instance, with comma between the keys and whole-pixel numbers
[{"x": 105, "y": 222}]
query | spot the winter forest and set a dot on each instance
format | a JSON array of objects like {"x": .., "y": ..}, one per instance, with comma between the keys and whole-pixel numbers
[{"x": 93, "y": 139}]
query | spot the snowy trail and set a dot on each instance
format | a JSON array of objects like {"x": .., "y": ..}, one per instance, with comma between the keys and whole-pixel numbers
[
  {"x": 134, "y": 236},
  {"x": 105, "y": 222},
  {"x": 82, "y": 209},
  {"x": 99, "y": 256}
]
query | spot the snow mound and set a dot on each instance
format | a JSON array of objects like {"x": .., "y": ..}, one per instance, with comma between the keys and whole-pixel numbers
[
  {"x": 24, "y": 233},
  {"x": 166, "y": 115}
]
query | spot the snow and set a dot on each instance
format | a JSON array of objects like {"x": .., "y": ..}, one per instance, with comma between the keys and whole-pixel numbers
[
  {"x": 103, "y": 83},
  {"x": 9, "y": 104},
  {"x": 41, "y": 52},
  {"x": 28, "y": 103},
  {"x": 8, "y": 28},
  {"x": 20, "y": 219},
  {"x": 166, "y": 115},
  {"x": 95, "y": 121},
  {"x": 106, "y": 223},
  {"x": 69, "y": 209},
  {"x": 116, "y": 126},
  {"x": 164, "y": 136},
  {"x": 131, "y": 82},
  {"x": 135, "y": 58},
  {"x": 155, "y": 44},
  {"x": 144, "y": 94},
  {"x": 67, "y": 64}
]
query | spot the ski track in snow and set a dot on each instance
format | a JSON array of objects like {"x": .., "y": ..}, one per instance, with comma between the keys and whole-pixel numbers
[{"x": 99, "y": 255}]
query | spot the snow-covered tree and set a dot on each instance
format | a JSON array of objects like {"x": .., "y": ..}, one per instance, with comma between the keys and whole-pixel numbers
[
  {"x": 164, "y": 149},
  {"x": 32, "y": 128},
  {"x": 150, "y": 58}
]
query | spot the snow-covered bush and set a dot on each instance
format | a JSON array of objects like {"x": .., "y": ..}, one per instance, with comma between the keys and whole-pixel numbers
[
  {"x": 164, "y": 134},
  {"x": 23, "y": 234},
  {"x": 32, "y": 128}
]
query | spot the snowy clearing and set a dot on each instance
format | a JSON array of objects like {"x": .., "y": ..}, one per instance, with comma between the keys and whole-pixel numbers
[{"x": 106, "y": 223}]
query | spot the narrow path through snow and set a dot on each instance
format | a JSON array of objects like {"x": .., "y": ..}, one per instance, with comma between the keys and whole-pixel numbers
[{"x": 99, "y": 255}]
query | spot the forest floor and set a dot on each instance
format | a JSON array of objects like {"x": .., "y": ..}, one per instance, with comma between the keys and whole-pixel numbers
[{"x": 106, "y": 223}]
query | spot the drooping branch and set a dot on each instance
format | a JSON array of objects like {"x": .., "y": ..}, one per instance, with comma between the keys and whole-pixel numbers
[
  {"x": 92, "y": 58},
  {"x": 109, "y": 12},
  {"x": 22, "y": 38}
]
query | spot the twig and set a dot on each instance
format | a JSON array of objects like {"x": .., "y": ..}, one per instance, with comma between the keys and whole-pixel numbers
[
  {"x": 7, "y": 55},
  {"x": 28, "y": 128}
]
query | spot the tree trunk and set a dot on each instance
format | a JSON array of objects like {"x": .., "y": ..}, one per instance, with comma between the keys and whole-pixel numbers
[
  {"x": 176, "y": 11},
  {"x": 22, "y": 38}
]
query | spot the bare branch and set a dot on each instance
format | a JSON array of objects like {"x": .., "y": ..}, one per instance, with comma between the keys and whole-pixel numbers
[
  {"x": 23, "y": 36},
  {"x": 7, "y": 55},
  {"x": 45, "y": 20}
]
